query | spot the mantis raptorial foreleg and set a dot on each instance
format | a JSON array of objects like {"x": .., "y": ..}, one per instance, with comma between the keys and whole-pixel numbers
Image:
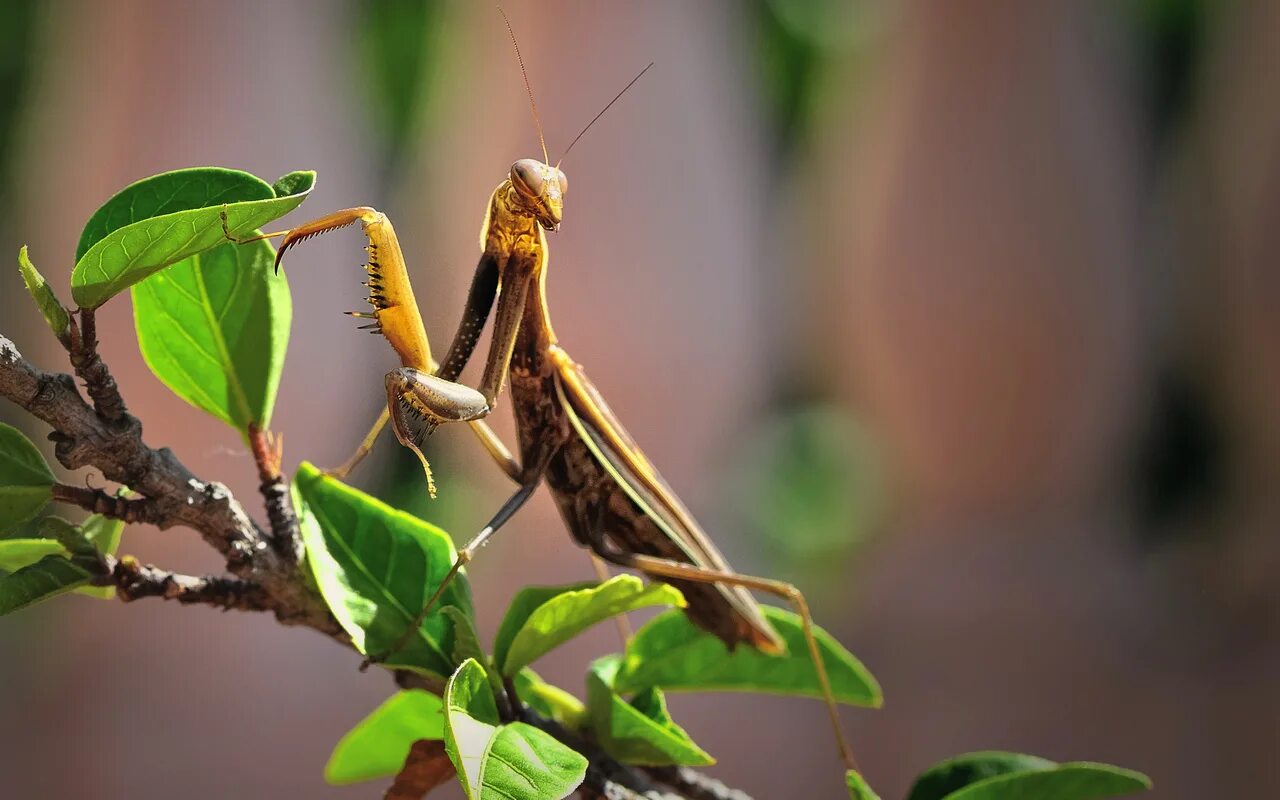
[{"x": 488, "y": 439}]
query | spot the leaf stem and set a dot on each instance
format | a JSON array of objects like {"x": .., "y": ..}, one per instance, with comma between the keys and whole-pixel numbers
[
  {"x": 91, "y": 369},
  {"x": 268, "y": 453}
]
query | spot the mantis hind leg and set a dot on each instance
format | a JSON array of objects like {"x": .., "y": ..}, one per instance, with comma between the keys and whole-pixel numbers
[{"x": 665, "y": 568}]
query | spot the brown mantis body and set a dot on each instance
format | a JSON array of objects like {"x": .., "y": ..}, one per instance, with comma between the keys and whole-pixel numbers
[{"x": 610, "y": 496}]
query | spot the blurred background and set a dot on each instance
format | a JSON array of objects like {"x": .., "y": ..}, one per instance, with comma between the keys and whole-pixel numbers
[{"x": 969, "y": 308}]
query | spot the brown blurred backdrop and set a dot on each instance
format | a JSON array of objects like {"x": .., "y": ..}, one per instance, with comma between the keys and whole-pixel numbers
[{"x": 968, "y": 307}]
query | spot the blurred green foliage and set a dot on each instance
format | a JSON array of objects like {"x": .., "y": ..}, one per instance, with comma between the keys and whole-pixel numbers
[
  {"x": 398, "y": 41},
  {"x": 18, "y": 44},
  {"x": 1171, "y": 35},
  {"x": 794, "y": 41}
]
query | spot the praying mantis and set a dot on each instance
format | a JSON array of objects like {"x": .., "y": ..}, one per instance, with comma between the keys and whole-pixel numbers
[{"x": 611, "y": 497}]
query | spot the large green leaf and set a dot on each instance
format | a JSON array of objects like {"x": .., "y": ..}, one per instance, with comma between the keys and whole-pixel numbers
[
  {"x": 214, "y": 328},
  {"x": 376, "y": 567},
  {"x": 671, "y": 653},
  {"x": 163, "y": 219},
  {"x": 26, "y": 483},
  {"x": 378, "y": 745},
  {"x": 858, "y": 787},
  {"x": 1078, "y": 781},
  {"x": 54, "y": 314},
  {"x": 956, "y": 773},
  {"x": 1013, "y": 776},
  {"x": 48, "y": 577},
  {"x": 500, "y": 762},
  {"x": 641, "y": 731},
  {"x": 542, "y": 618}
]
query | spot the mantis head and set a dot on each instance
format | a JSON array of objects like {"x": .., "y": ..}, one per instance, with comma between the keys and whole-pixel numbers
[{"x": 540, "y": 188}]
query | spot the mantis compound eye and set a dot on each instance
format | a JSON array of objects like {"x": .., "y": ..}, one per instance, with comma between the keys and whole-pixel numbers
[
  {"x": 526, "y": 177},
  {"x": 564, "y": 182}
]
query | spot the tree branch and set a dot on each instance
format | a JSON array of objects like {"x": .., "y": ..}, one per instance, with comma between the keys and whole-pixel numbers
[
  {"x": 264, "y": 567},
  {"x": 694, "y": 785},
  {"x": 174, "y": 495},
  {"x": 134, "y": 580},
  {"x": 99, "y": 502}
]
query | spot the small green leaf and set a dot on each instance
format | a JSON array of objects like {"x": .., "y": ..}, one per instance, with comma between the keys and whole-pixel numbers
[
  {"x": 163, "y": 219},
  {"x": 996, "y": 775},
  {"x": 46, "y": 301},
  {"x": 48, "y": 577},
  {"x": 500, "y": 762},
  {"x": 642, "y": 731},
  {"x": 378, "y": 745},
  {"x": 64, "y": 540},
  {"x": 104, "y": 534},
  {"x": 18, "y": 553},
  {"x": 466, "y": 644},
  {"x": 542, "y": 618},
  {"x": 26, "y": 483},
  {"x": 671, "y": 653},
  {"x": 955, "y": 773},
  {"x": 858, "y": 788},
  {"x": 376, "y": 567},
  {"x": 214, "y": 328},
  {"x": 550, "y": 701}
]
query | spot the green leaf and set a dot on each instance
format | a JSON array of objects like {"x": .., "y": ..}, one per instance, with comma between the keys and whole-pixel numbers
[
  {"x": 18, "y": 553},
  {"x": 671, "y": 653},
  {"x": 48, "y": 577},
  {"x": 163, "y": 219},
  {"x": 858, "y": 788},
  {"x": 378, "y": 745},
  {"x": 376, "y": 567},
  {"x": 46, "y": 301},
  {"x": 996, "y": 775},
  {"x": 466, "y": 644},
  {"x": 1077, "y": 781},
  {"x": 61, "y": 539},
  {"x": 955, "y": 773},
  {"x": 500, "y": 762},
  {"x": 550, "y": 701},
  {"x": 26, "y": 483},
  {"x": 642, "y": 731},
  {"x": 104, "y": 534},
  {"x": 214, "y": 328},
  {"x": 542, "y": 618}
]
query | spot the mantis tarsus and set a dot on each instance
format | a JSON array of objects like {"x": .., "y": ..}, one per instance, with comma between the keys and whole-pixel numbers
[{"x": 610, "y": 496}]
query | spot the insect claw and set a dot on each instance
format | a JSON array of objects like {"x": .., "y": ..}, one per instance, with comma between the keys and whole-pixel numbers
[
  {"x": 370, "y": 327},
  {"x": 360, "y": 314}
]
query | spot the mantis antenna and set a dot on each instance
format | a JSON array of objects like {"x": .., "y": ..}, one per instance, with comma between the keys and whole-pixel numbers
[
  {"x": 601, "y": 114},
  {"x": 532, "y": 105}
]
